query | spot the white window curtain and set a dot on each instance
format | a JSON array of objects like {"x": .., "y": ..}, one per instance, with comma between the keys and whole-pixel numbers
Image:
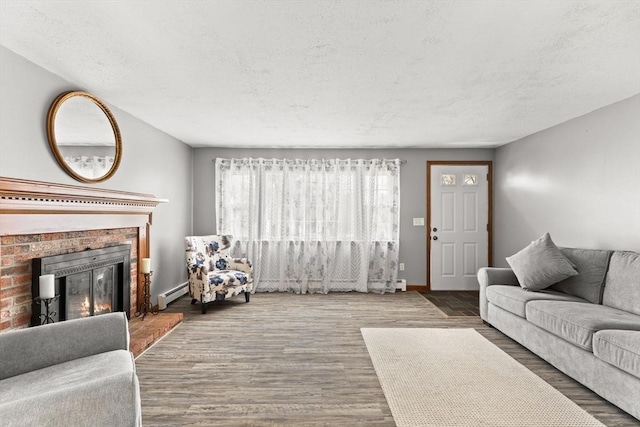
[
  {"x": 90, "y": 166},
  {"x": 313, "y": 226}
]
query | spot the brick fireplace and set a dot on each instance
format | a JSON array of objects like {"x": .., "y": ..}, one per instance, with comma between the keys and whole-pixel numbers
[
  {"x": 16, "y": 257},
  {"x": 39, "y": 219}
]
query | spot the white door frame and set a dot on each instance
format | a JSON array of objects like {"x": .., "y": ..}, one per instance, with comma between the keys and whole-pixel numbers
[{"x": 489, "y": 165}]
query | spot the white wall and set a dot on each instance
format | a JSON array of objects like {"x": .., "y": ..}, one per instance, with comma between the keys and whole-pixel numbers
[
  {"x": 413, "y": 199},
  {"x": 152, "y": 161},
  {"x": 579, "y": 180}
]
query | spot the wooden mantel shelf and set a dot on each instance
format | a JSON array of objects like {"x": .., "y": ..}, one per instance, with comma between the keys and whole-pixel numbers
[
  {"x": 21, "y": 194},
  {"x": 28, "y": 207}
]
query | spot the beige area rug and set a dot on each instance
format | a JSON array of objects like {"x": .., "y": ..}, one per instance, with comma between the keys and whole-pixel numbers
[{"x": 456, "y": 377}]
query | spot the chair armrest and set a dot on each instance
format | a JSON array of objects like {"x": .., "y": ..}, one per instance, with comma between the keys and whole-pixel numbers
[
  {"x": 27, "y": 350},
  {"x": 488, "y": 276},
  {"x": 244, "y": 265},
  {"x": 193, "y": 268},
  {"x": 240, "y": 264},
  {"x": 198, "y": 280}
]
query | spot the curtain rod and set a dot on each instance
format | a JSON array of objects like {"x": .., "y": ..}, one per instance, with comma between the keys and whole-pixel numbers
[{"x": 402, "y": 162}]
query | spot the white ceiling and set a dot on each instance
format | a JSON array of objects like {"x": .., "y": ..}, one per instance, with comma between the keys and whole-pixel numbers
[{"x": 364, "y": 74}]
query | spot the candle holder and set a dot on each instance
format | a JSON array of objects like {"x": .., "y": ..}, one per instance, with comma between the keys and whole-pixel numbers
[
  {"x": 47, "y": 316},
  {"x": 146, "y": 306}
]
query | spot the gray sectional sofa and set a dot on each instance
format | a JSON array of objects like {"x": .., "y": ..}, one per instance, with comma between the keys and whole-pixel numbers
[
  {"x": 587, "y": 326},
  {"x": 74, "y": 373}
]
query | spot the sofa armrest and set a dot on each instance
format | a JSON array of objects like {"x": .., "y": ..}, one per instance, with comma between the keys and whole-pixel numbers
[
  {"x": 488, "y": 276},
  {"x": 27, "y": 350}
]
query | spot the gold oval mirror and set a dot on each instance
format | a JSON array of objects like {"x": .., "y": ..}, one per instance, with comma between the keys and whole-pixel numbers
[{"x": 84, "y": 136}]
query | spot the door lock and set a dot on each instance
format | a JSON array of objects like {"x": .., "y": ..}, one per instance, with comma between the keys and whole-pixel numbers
[{"x": 435, "y": 229}]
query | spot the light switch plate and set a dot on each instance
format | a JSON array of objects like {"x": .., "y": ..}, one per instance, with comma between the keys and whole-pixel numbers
[
  {"x": 418, "y": 222},
  {"x": 402, "y": 266}
]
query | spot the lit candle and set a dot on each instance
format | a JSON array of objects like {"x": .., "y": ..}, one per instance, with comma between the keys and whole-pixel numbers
[
  {"x": 47, "y": 286},
  {"x": 145, "y": 267}
]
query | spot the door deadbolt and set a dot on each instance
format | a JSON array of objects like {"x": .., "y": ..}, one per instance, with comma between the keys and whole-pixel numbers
[{"x": 435, "y": 229}]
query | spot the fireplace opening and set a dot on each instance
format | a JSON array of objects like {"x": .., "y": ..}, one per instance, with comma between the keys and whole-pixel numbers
[
  {"x": 88, "y": 283},
  {"x": 90, "y": 293}
]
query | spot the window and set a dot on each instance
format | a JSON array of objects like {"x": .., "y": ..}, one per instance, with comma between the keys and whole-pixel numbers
[
  {"x": 321, "y": 200},
  {"x": 448, "y": 179},
  {"x": 322, "y": 225},
  {"x": 470, "y": 179}
]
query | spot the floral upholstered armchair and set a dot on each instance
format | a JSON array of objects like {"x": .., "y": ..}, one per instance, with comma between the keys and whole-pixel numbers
[{"x": 213, "y": 274}]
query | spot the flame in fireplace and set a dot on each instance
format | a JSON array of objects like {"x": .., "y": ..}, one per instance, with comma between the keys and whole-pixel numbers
[
  {"x": 85, "y": 308},
  {"x": 102, "y": 308}
]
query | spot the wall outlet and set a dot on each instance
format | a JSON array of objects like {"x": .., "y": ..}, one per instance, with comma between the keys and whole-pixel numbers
[
  {"x": 418, "y": 222},
  {"x": 402, "y": 266}
]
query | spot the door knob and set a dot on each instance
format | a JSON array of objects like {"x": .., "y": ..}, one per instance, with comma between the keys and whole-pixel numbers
[
  {"x": 435, "y": 237},
  {"x": 435, "y": 229}
]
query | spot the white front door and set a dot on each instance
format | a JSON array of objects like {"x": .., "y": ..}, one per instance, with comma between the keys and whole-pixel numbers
[{"x": 459, "y": 229}]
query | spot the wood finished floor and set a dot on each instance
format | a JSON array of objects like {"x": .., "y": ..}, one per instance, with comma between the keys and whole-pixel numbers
[
  {"x": 300, "y": 360},
  {"x": 455, "y": 303}
]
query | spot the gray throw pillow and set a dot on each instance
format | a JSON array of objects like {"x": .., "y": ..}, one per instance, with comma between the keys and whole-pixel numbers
[
  {"x": 540, "y": 265},
  {"x": 592, "y": 266}
]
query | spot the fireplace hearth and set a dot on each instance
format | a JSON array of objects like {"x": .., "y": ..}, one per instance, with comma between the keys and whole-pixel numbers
[{"x": 87, "y": 283}]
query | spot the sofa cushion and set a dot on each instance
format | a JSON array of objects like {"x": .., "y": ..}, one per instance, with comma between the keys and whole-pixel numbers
[
  {"x": 622, "y": 284},
  {"x": 540, "y": 265},
  {"x": 591, "y": 265},
  {"x": 94, "y": 390},
  {"x": 577, "y": 322},
  {"x": 619, "y": 348},
  {"x": 514, "y": 298}
]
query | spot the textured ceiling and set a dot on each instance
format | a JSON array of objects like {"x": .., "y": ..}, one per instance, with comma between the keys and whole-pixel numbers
[{"x": 364, "y": 74}]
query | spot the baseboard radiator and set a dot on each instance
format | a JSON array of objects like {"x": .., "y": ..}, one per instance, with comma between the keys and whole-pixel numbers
[
  {"x": 165, "y": 298},
  {"x": 401, "y": 284}
]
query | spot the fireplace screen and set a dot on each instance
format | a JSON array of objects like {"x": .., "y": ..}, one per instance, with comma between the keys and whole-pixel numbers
[
  {"x": 78, "y": 292},
  {"x": 90, "y": 293},
  {"x": 103, "y": 290},
  {"x": 87, "y": 283}
]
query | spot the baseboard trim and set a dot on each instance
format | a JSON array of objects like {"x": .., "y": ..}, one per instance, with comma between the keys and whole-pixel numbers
[
  {"x": 172, "y": 294},
  {"x": 419, "y": 288}
]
